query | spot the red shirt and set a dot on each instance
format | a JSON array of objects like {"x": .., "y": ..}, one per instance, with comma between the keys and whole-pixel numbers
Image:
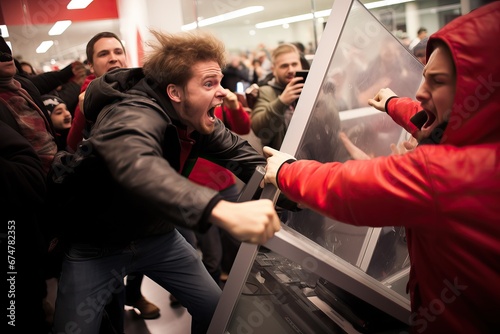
[{"x": 210, "y": 174}]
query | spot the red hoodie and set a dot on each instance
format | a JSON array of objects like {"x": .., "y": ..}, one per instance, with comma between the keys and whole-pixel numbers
[
  {"x": 75, "y": 134},
  {"x": 446, "y": 195}
]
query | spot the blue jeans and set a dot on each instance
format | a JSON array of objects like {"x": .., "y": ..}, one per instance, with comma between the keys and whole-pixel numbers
[
  {"x": 91, "y": 275},
  {"x": 210, "y": 242}
]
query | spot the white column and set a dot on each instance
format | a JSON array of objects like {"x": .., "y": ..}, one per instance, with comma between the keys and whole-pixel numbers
[{"x": 412, "y": 19}]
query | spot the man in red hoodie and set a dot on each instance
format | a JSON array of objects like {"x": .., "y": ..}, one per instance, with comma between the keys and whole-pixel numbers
[{"x": 445, "y": 192}]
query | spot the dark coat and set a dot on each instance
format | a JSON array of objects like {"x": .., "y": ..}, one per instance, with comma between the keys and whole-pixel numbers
[{"x": 135, "y": 138}]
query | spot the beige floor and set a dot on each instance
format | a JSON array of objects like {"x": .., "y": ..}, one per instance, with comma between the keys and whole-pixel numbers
[{"x": 171, "y": 320}]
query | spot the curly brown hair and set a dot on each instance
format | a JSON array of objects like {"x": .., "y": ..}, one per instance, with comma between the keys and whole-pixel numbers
[{"x": 171, "y": 58}]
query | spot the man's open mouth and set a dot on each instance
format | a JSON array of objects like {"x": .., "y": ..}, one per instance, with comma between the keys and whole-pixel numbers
[
  {"x": 431, "y": 118},
  {"x": 211, "y": 111}
]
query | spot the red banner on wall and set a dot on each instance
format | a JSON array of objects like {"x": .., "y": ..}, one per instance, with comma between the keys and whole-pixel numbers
[{"x": 33, "y": 12}]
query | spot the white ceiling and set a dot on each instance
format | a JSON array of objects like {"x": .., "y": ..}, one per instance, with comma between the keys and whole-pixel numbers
[
  {"x": 71, "y": 44},
  {"x": 68, "y": 46}
]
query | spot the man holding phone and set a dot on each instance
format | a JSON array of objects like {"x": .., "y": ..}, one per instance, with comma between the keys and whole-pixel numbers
[{"x": 276, "y": 102}]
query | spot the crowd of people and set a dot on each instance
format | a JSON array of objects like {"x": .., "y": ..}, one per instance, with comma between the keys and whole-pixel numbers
[{"x": 150, "y": 158}]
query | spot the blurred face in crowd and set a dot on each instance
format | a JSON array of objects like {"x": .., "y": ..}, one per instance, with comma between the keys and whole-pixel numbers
[
  {"x": 108, "y": 55},
  {"x": 7, "y": 66},
  {"x": 437, "y": 92},
  {"x": 28, "y": 69},
  {"x": 61, "y": 117},
  {"x": 284, "y": 67},
  {"x": 195, "y": 103},
  {"x": 420, "y": 54}
]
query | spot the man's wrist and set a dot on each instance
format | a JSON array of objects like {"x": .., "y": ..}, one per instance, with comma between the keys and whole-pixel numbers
[
  {"x": 289, "y": 161},
  {"x": 387, "y": 103}
]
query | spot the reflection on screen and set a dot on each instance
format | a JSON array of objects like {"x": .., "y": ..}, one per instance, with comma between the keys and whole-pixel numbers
[
  {"x": 281, "y": 296},
  {"x": 367, "y": 58}
]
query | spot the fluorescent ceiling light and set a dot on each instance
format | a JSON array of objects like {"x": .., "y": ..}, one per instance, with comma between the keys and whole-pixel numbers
[
  {"x": 9, "y": 44},
  {"x": 4, "y": 30},
  {"x": 384, "y": 3},
  {"x": 78, "y": 4},
  {"x": 44, "y": 46},
  {"x": 322, "y": 13},
  {"x": 293, "y": 19},
  {"x": 223, "y": 17},
  {"x": 59, "y": 27}
]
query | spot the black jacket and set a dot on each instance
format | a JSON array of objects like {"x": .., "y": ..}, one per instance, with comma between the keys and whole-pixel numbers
[{"x": 136, "y": 137}]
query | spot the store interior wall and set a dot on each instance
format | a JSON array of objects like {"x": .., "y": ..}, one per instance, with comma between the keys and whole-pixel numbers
[{"x": 135, "y": 18}]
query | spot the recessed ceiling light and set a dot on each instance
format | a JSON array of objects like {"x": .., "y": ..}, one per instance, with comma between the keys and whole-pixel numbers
[
  {"x": 4, "y": 30},
  {"x": 322, "y": 13},
  {"x": 223, "y": 17},
  {"x": 59, "y": 27},
  {"x": 384, "y": 3},
  {"x": 78, "y": 4},
  {"x": 44, "y": 46}
]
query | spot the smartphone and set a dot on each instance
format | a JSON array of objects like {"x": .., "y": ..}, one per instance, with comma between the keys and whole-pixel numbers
[{"x": 302, "y": 73}]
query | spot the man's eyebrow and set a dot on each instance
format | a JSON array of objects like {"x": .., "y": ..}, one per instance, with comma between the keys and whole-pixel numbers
[{"x": 435, "y": 72}]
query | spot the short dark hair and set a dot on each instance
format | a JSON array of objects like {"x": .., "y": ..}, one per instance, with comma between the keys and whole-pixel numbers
[
  {"x": 300, "y": 46},
  {"x": 421, "y": 30},
  {"x": 421, "y": 46},
  {"x": 93, "y": 40},
  {"x": 25, "y": 63}
]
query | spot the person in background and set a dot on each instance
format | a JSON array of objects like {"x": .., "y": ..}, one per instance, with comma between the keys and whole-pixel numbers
[
  {"x": 27, "y": 68},
  {"x": 256, "y": 71},
  {"x": 22, "y": 184},
  {"x": 419, "y": 50},
  {"x": 61, "y": 121},
  {"x": 303, "y": 60},
  {"x": 264, "y": 56},
  {"x": 150, "y": 125},
  {"x": 235, "y": 72},
  {"x": 105, "y": 52},
  {"x": 70, "y": 90},
  {"x": 25, "y": 106},
  {"x": 64, "y": 83},
  {"x": 445, "y": 192},
  {"x": 275, "y": 104},
  {"x": 26, "y": 152},
  {"x": 60, "y": 117},
  {"x": 421, "y": 34}
]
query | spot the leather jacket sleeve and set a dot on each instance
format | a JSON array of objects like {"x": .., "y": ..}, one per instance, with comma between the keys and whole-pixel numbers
[{"x": 135, "y": 140}]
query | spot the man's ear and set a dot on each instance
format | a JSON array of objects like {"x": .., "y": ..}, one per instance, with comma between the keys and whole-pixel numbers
[{"x": 173, "y": 93}]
